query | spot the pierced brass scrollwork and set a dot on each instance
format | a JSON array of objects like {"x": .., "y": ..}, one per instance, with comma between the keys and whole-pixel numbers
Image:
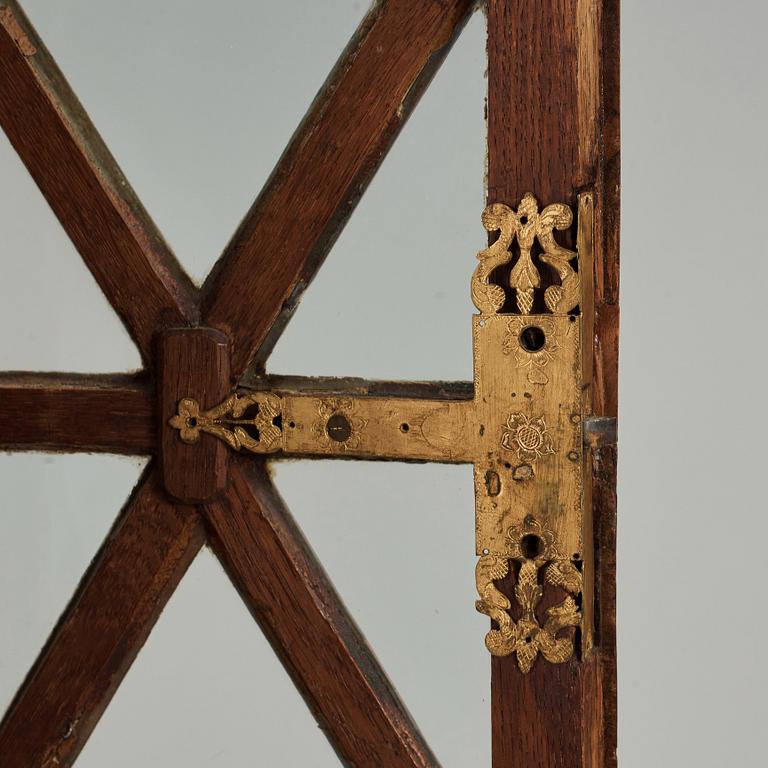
[
  {"x": 229, "y": 421},
  {"x": 528, "y": 383},
  {"x": 525, "y": 225},
  {"x": 521, "y": 429},
  {"x": 533, "y": 547}
]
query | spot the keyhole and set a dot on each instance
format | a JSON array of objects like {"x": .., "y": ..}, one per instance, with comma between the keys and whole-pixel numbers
[
  {"x": 532, "y": 338},
  {"x": 531, "y": 546}
]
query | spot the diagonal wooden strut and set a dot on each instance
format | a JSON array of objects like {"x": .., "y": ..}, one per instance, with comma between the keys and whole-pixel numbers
[
  {"x": 273, "y": 256},
  {"x": 105, "y": 625},
  {"x": 295, "y": 604},
  {"x": 85, "y": 188},
  {"x": 325, "y": 169},
  {"x": 553, "y": 130}
]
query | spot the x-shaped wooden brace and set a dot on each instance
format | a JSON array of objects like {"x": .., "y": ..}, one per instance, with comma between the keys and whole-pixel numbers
[{"x": 246, "y": 299}]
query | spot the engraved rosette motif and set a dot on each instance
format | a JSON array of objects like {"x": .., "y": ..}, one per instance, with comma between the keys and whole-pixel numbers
[
  {"x": 528, "y": 485},
  {"x": 528, "y": 437},
  {"x": 338, "y": 428}
]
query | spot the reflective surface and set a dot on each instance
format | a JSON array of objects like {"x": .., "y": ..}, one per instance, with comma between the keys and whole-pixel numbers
[
  {"x": 196, "y": 101},
  {"x": 392, "y": 299},
  {"x": 197, "y": 107},
  {"x": 207, "y": 690},
  {"x": 397, "y": 540},
  {"x": 53, "y": 315},
  {"x": 55, "y": 511}
]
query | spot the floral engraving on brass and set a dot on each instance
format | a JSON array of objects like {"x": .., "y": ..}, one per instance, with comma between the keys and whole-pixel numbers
[
  {"x": 338, "y": 429},
  {"x": 529, "y": 490},
  {"x": 527, "y": 436},
  {"x": 535, "y": 361},
  {"x": 229, "y": 422},
  {"x": 533, "y": 547},
  {"x": 521, "y": 430},
  {"x": 526, "y": 225}
]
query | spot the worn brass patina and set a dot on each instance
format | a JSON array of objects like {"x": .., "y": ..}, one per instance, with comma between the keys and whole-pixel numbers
[{"x": 522, "y": 431}]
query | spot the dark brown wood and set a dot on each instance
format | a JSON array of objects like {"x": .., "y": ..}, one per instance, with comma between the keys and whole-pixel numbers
[
  {"x": 553, "y": 130},
  {"x": 112, "y": 413},
  {"x": 102, "y": 630},
  {"x": 85, "y": 188},
  {"x": 194, "y": 363},
  {"x": 325, "y": 169},
  {"x": 604, "y": 506},
  {"x": 427, "y": 390},
  {"x": 290, "y": 596}
]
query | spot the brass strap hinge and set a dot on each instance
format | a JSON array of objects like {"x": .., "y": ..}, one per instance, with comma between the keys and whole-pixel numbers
[{"x": 522, "y": 431}]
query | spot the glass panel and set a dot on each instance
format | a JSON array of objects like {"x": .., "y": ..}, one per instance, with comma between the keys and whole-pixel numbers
[
  {"x": 392, "y": 299},
  {"x": 53, "y": 315},
  {"x": 56, "y": 511},
  {"x": 207, "y": 690},
  {"x": 398, "y": 542},
  {"x": 196, "y": 100}
]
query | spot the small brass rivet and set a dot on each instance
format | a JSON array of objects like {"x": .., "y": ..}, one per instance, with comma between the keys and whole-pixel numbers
[{"x": 573, "y": 455}]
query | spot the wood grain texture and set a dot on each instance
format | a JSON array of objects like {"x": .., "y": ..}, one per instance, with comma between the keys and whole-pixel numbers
[
  {"x": 290, "y": 596},
  {"x": 553, "y": 130},
  {"x": 604, "y": 506},
  {"x": 297, "y": 385},
  {"x": 325, "y": 169},
  {"x": 109, "y": 413},
  {"x": 194, "y": 363},
  {"x": 85, "y": 188},
  {"x": 103, "y": 628}
]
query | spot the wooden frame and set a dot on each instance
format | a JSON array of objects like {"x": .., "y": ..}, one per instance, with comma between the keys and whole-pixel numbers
[{"x": 553, "y": 129}]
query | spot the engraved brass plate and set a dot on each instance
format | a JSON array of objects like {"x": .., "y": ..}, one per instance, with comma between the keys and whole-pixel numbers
[
  {"x": 530, "y": 405},
  {"x": 522, "y": 430},
  {"x": 529, "y": 464}
]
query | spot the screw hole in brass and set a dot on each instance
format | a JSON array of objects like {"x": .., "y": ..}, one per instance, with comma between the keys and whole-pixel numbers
[
  {"x": 338, "y": 428},
  {"x": 492, "y": 483},
  {"x": 404, "y": 427}
]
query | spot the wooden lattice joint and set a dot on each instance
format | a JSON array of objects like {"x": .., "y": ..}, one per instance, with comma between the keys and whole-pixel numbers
[
  {"x": 522, "y": 431},
  {"x": 331, "y": 158}
]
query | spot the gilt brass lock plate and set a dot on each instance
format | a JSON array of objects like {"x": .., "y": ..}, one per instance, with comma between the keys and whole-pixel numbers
[
  {"x": 522, "y": 430},
  {"x": 528, "y": 404}
]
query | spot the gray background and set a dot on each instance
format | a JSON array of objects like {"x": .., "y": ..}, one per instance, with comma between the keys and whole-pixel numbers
[{"x": 197, "y": 105}]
